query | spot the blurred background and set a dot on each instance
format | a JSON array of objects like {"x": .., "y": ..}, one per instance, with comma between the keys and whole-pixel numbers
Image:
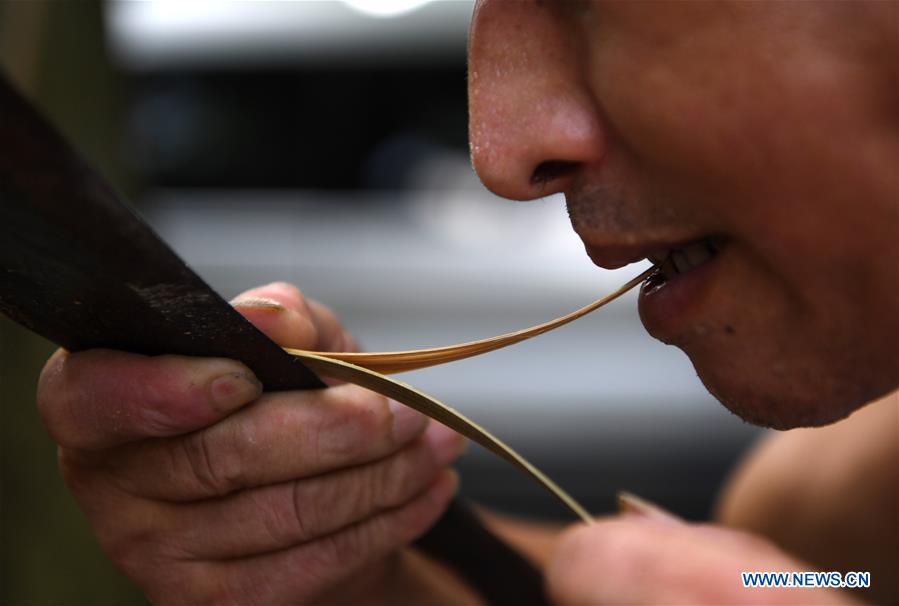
[{"x": 324, "y": 143}]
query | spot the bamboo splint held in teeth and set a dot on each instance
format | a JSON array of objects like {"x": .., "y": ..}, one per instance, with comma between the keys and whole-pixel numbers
[{"x": 401, "y": 361}]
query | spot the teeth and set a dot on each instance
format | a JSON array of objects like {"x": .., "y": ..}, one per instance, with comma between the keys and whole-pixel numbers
[
  {"x": 667, "y": 268},
  {"x": 679, "y": 257},
  {"x": 684, "y": 259},
  {"x": 697, "y": 254}
]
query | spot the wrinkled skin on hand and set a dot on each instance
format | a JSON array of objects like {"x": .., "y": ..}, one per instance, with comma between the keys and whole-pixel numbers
[{"x": 203, "y": 489}]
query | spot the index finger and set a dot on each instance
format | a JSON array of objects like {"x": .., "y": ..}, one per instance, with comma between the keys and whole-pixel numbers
[{"x": 287, "y": 317}]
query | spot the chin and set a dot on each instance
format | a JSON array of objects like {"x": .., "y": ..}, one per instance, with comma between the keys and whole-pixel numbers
[
  {"x": 782, "y": 397},
  {"x": 782, "y": 412}
]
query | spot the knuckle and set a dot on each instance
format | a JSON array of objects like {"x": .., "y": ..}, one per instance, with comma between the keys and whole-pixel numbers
[
  {"x": 287, "y": 515},
  {"x": 321, "y": 505},
  {"x": 331, "y": 334},
  {"x": 326, "y": 504},
  {"x": 324, "y": 313},
  {"x": 127, "y": 553},
  {"x": 307, "y": 332},
  {"x": 347, "y": 342},
  {"x": 217, "y": 471},
  {"x": 135, "y": 551},
  {"x": 371, "y": 414},
  {"x": 369, "y": 425},
  {"x": 409, "y": 521},
  {"x": 360, "y": 420},
  {"x": 149, "y": 557},
  {"x": 302, "y": 516},
  {"x": 76, "y": 475},
  {"x": 396, "y": 478},
  {"x": 383, "y": 534},
  {"x": 167, "y": 402},
  {"x": 365, "y": 489},
  {"x": 332, "y": 550}
]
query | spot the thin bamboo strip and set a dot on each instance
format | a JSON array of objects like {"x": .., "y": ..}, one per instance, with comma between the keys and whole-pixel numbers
[
  {"x": 369, "y": 370},
  {"x": 402, "y": 361}
]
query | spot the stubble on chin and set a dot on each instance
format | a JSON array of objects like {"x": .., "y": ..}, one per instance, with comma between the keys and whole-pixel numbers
[{"x": 775, "y": 396}]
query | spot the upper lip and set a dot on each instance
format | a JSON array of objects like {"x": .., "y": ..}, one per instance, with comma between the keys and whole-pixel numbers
[{"x": 613, "y": 256}]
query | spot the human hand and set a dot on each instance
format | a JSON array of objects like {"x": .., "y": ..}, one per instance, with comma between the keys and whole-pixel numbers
[
  {"x": 202, "y": 489},
  {"x": 654, "y": 558}
]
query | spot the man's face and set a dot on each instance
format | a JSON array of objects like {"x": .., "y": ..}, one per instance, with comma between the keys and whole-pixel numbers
[{"x": 758, "y": 140}]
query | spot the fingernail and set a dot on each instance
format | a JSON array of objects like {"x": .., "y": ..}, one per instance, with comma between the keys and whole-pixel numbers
[
  {"x": 234, "y": 389},
  {"x": 263, "y": 303},
  {"x": 631, "y": 504},
  {"x": 407, "y": 422},
  {"x": 446, "y": 443}
]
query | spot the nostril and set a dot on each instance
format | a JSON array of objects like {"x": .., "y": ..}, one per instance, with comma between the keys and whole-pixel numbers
[{"x": 550, "y": 170}]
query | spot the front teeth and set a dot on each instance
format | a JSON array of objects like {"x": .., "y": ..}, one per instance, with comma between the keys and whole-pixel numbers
[{"x": 684, "y": 259}]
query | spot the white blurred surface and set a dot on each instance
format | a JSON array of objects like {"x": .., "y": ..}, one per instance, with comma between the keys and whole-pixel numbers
[{"x": 159, "y": 34}]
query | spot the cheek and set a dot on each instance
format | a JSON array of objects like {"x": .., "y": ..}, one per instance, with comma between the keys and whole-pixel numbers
[
  {"x": 673, "y": 111},
  {"x": 741, "y": 152}
]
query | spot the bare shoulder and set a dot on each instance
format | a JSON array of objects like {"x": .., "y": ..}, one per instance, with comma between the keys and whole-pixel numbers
[
  {"x": 828, "y": 494},
  {"x": 854, "y": 452}
]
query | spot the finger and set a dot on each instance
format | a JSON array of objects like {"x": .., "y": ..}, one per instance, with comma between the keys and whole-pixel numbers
[
  {"x": 128, "y": 531},
  {"x": 296, "y": 575},
  {"x": 332, "y": 335},
  {"x": 276, "y": 517},
  {"x": 588, "y": 559},
  {"x": 282, "y": 312},
  {"x": 645, "y": 561},
  {"x": 283, "y": 436},
  {"x": 144, "y": 530},
  {"x": 100, "y": 398}
]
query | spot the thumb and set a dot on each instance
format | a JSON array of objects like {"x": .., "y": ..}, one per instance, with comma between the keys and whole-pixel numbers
[{"x": 100, "y": 398}]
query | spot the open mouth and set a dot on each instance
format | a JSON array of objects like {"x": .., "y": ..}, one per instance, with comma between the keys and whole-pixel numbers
[
  {"x": 676, "y": 261},
  {"x": 680, "y": 291}
]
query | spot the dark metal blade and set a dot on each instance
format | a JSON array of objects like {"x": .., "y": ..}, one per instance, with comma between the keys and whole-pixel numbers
[{"x": 80, "y": 268}]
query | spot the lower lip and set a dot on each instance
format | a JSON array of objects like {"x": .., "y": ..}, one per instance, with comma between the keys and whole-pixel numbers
[{"x": 666, "y": 309}]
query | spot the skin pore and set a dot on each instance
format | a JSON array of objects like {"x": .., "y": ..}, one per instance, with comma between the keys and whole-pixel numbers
[{"x": 770, "y": 125}]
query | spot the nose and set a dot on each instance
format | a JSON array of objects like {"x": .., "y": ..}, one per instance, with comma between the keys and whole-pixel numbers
[{"x": 533, "y": 123}]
